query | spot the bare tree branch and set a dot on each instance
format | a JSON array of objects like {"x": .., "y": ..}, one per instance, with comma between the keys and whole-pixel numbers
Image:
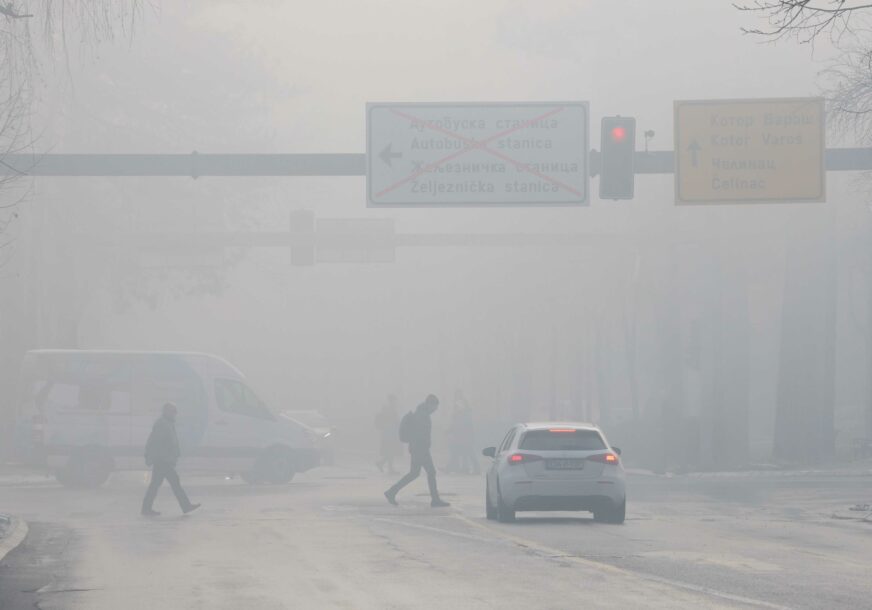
[
  {"x": 803, "y": 19},
  {"x": 27, "y": 39},
  {"x": 8, "y": 9}
]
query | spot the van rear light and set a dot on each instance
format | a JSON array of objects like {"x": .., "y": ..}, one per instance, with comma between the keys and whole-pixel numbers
[
  {"x": 605, "y": 458},
  {"x": 562, "y": 430},
  {"x": 523, "y": 458}
]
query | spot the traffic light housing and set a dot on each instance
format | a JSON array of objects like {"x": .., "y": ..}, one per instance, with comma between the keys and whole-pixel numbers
[{"x": 617, "y": 178}]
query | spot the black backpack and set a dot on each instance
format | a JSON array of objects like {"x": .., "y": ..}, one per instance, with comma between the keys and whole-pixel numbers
[{"x": 406, "y": 425}]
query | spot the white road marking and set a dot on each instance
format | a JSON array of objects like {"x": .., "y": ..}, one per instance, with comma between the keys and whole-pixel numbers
[
  {"x": 437, "y": 530},
  {"x": 608, "y": 568}
]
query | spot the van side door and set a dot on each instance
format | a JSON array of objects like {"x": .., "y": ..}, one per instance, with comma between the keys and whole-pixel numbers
[{"x": 239, "y": 429}]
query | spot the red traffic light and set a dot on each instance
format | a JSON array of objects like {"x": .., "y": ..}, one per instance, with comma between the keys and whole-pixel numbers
[{"x": 617, "y": 170}]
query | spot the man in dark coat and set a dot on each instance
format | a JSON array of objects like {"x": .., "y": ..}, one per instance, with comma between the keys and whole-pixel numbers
[
  {"x": 419, "y": 448},
  {"x": 162, "y": 453}
]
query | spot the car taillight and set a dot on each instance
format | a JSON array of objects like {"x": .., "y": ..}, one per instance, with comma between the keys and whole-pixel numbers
[
  {"x": 523, "y": 458},
  {"x": 605, "y": 458}
]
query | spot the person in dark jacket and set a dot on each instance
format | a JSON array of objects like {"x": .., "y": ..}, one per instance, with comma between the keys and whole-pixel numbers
[
  {"x": 419, "y": 434},
  {"x": 162, "y": 453}
]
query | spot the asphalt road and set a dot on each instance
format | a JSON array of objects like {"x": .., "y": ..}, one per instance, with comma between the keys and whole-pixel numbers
[{"x": 329, "y": 540}]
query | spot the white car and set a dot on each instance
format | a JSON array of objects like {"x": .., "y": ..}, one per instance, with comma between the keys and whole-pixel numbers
[{"x": 555, "y": 466}]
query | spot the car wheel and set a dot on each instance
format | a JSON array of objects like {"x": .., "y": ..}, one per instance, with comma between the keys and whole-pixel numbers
[
  {"x": 277, "y": 466},
  {"x": 612, "y": 514},
  {"x": 504, "y": 513},
  {"x": 490, "y": 510},
  {"x": 252, "y": 477},
  {"x": 87, "y": 468}
]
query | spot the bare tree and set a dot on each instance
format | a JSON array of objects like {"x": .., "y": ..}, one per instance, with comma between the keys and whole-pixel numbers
[
  {"x": 33, "y": 37},
  {"x": 847, "y": 86},
  {"x": 847, "y": 82},
  {"x": 848, "y": 89},
  {"x": 804, "y": 19}
]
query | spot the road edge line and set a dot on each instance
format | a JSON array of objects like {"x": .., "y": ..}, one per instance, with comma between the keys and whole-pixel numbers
[
  {"x": 548, "y": 551},
  {"x": 12, "y": 540}
]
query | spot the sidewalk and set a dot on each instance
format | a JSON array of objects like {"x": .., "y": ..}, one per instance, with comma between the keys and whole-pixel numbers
[
  {"x": 860, "y": 468},
  {"x": 14, "y": 474},
  {"x": 13, "y": 531}
]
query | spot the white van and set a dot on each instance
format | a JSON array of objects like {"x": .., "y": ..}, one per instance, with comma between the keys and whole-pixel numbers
[{"x": 87, "y": 413}]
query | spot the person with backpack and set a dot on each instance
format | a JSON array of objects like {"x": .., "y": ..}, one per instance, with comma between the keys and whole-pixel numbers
[{"x": 415, "y": 429}]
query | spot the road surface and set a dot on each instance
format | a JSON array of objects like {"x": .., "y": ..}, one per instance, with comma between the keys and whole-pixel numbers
[{"x": 329, "y": 540}]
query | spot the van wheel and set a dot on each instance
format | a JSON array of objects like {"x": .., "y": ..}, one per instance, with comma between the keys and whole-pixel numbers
[
  {"x": 87, "y": 468},
  {"x": 252, "y": 477},
  {"x": 276, "y": 466}
]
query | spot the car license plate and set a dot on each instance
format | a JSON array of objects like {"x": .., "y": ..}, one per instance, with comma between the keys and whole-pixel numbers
[{"x": 564, "y": 464}]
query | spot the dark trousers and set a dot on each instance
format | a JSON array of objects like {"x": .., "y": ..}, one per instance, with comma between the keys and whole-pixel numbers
[
  {"x": 159, "y": 472},
  {"x": 420, "y": 459}
]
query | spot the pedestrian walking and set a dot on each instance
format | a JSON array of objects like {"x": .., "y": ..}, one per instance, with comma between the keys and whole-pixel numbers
[
  {"x": 415, "y": 429},
  {"x": 162, "y": 453},
  {"x": 387, "y": 422}
]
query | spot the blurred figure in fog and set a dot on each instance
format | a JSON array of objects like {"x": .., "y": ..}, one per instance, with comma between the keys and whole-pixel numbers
[
  {"x": 162, "y": 453},
  {"x": 415, "y": 429},
  {"x": 461, "y": 438},
  {"x": 387, "y": 422},
  {"x": 455, "y": 433}
]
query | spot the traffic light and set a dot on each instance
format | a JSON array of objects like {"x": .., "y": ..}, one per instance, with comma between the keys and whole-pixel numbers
[{"x": 618, "y": 146}]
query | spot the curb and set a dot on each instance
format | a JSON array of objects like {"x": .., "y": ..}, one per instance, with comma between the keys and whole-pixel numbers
[{"x": 15, "y": 535}]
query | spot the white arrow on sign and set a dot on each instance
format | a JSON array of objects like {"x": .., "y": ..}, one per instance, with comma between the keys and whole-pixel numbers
[{"x": 388, "y": 156}]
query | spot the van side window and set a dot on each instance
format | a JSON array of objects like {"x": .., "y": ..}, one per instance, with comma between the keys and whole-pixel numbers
[{"x": 233, "y": 396}]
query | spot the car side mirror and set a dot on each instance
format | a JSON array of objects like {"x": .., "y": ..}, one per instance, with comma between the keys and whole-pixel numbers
[
  {"x": 489, "y": 452},
  {"x": 617, "y": 450}
]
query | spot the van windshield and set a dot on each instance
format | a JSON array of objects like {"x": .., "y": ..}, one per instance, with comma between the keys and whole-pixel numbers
[{"x": 233, "y": 396}]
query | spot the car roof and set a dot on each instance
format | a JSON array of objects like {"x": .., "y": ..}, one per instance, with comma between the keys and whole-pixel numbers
[{"x": 559, "y": 424}]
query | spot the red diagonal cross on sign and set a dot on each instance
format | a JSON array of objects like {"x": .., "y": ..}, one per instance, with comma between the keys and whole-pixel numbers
[{"x": 473, "y": 144}]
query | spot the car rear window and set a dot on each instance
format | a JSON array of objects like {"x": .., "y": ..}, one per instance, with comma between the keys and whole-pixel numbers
[{"x": 575, "y": 440}]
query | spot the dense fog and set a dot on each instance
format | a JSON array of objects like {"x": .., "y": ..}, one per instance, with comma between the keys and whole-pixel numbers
[{"x": 698, "y": 337}]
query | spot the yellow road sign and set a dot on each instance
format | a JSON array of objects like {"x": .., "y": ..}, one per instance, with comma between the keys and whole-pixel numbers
[{"x": 742, "y": 151}]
